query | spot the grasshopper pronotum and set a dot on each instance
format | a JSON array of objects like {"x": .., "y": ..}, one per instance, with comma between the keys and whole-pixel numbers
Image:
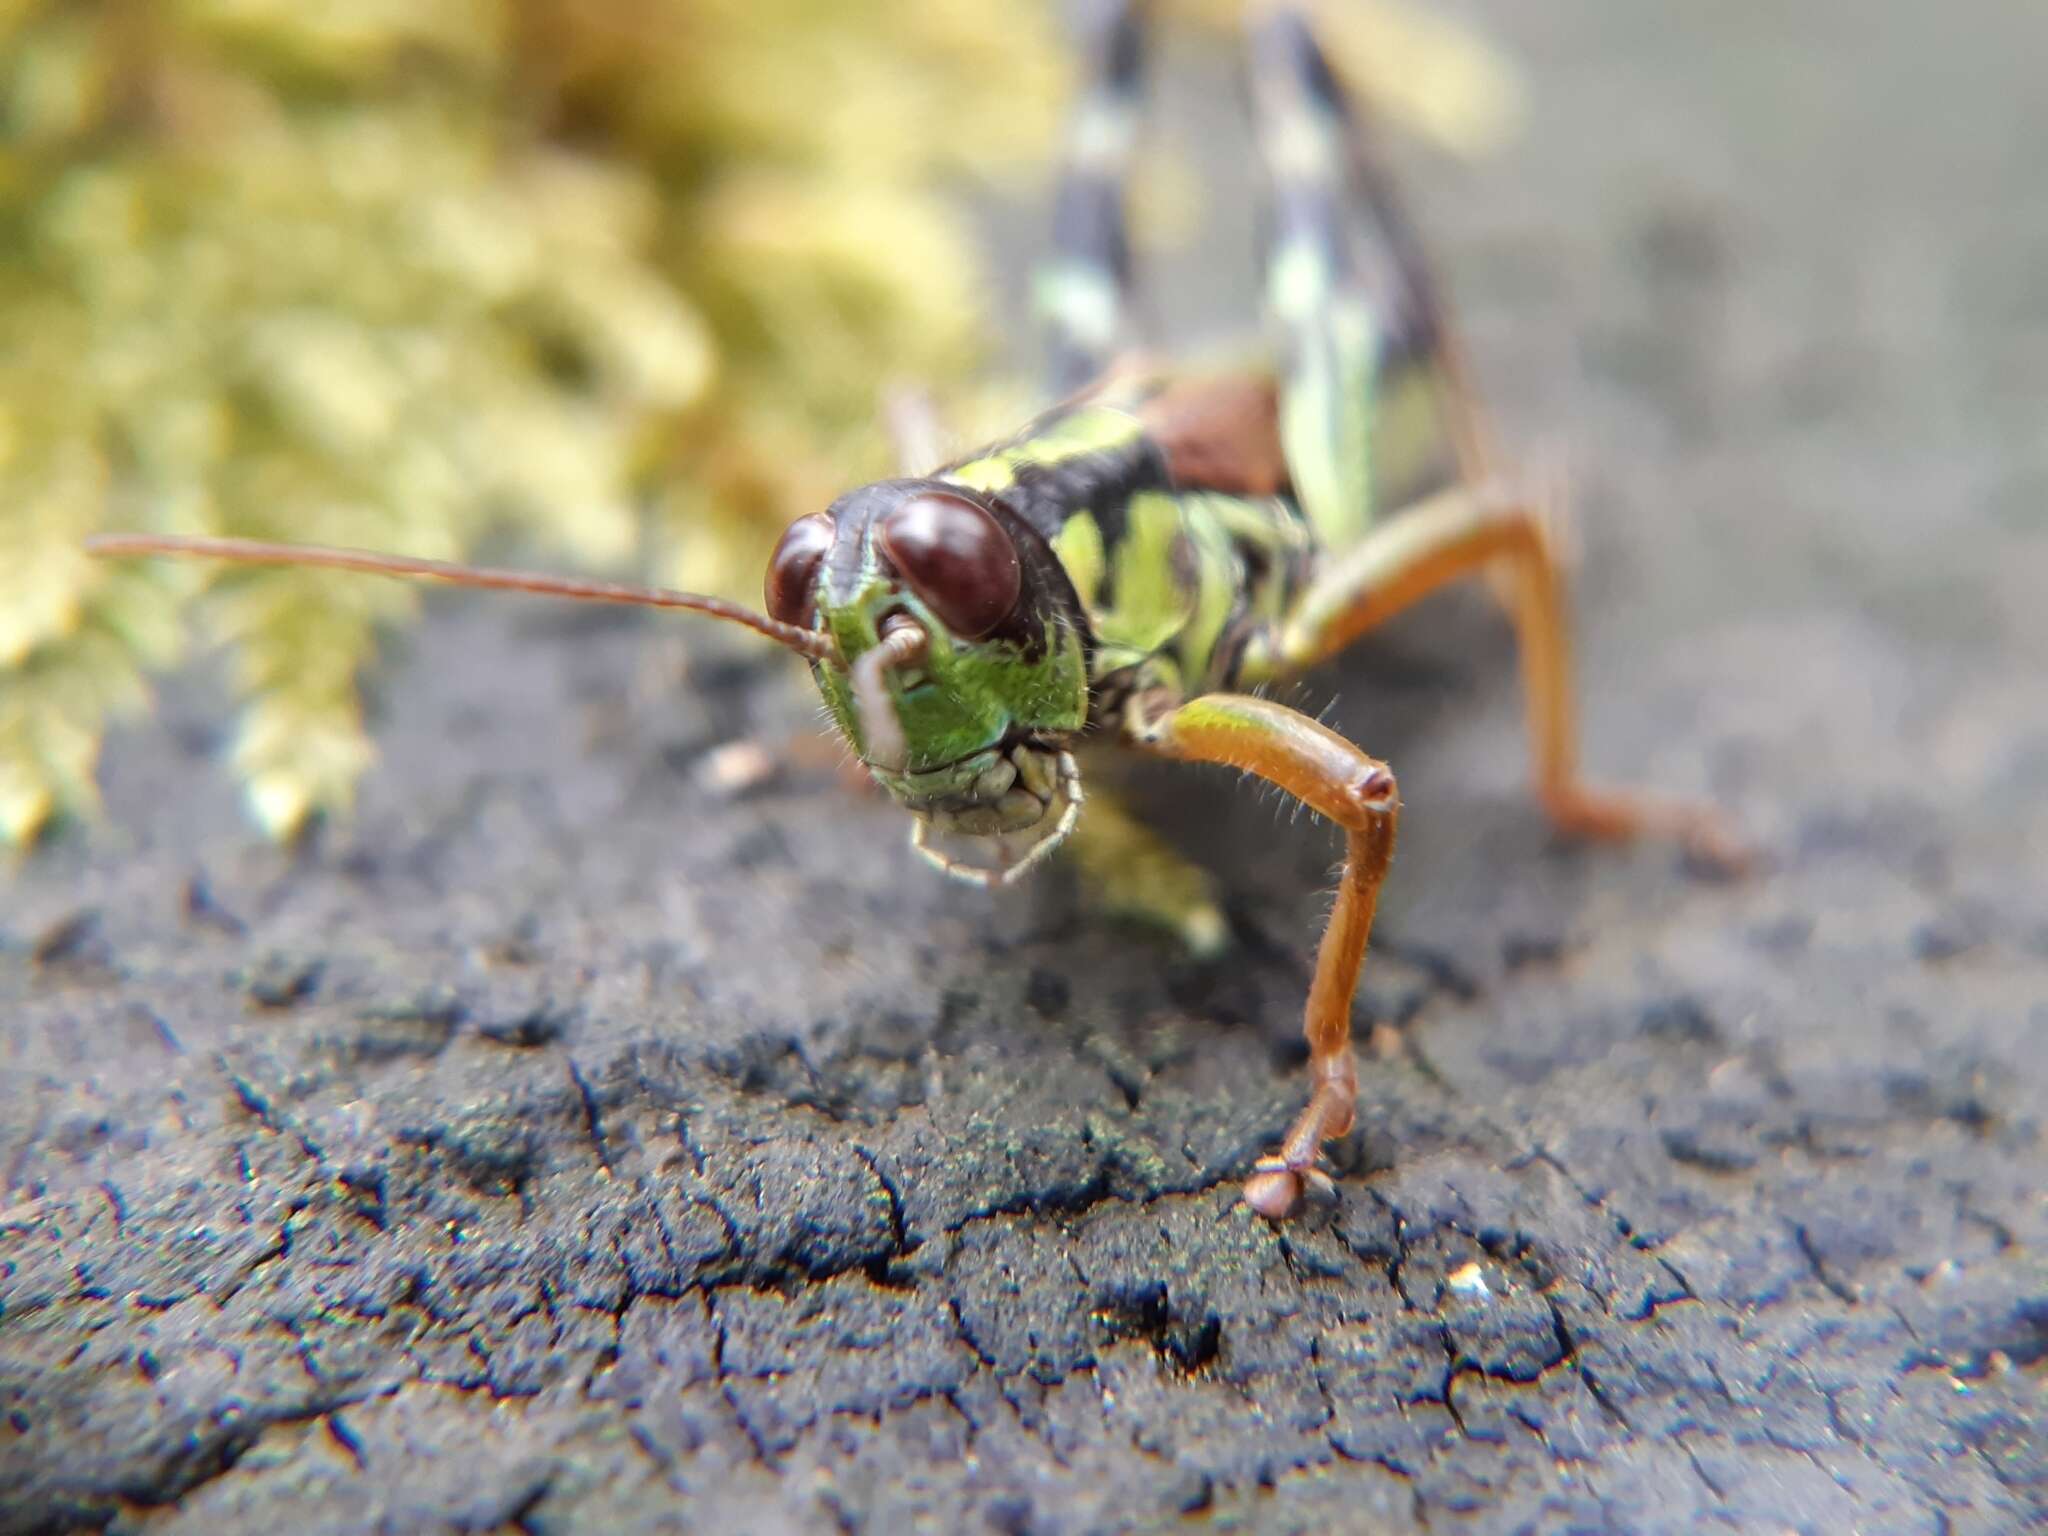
[{"x": 1139, "y": 558}]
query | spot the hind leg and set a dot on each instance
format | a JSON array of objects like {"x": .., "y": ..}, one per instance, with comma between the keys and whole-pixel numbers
[
  {"x": 1372, "y": 366},
  {"x": 1082, "y": 291},
  {"x": 1332, "y": 323},
  {"x": 1467, "y": 532},
  {"x": 1344, "y": 249}
]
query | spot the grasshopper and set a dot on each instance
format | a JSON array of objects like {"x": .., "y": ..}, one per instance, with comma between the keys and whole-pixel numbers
[{"x": 1142, "y": 557}]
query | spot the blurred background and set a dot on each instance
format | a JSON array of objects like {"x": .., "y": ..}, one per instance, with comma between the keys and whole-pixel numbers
[
  {"x": 617, "y": 281},
  {"x": 617, "y": 275}
]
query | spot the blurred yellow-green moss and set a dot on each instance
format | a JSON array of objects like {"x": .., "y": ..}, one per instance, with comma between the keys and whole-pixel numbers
[
  {"x": 388, "y": 272},
  {"x": 392, "y": 272}
]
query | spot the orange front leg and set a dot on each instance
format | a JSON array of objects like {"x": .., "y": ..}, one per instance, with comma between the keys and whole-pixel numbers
[{"x": 1335, "y": 779}]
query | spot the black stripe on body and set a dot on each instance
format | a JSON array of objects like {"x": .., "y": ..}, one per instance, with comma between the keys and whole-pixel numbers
[
  {"x": 1045, "y": 495},
  {"x": 1042, "y": 480}
]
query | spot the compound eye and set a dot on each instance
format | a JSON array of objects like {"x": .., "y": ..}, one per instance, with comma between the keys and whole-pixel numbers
[
  {"x": 792, "y": 585},
  {"x": 957, "y": 558}
]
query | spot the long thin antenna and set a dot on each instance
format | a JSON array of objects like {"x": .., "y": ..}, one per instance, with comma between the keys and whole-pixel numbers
[{"x": 259, "y": 552}]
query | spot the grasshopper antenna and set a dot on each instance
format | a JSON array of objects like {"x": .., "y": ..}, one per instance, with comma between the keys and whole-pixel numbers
[{"x": 258, "y": 552}]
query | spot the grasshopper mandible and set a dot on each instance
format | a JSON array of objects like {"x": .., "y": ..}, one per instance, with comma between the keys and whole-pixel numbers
[{"x": 1136, "y": 560}]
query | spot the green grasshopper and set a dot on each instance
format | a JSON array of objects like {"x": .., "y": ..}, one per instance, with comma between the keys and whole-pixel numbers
[{"x": 1144, "y": 554}]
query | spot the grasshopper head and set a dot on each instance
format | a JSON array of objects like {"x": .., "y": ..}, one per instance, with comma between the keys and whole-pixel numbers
[{"x": 958, "y": 669}]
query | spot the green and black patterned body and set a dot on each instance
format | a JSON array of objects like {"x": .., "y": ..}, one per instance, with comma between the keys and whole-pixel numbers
[
  {"x": 1167, "y": 502},
  {"x": 1177, "y": 580}
]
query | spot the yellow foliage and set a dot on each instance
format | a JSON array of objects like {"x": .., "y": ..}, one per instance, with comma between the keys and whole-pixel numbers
[{"x": 389, "y": 272}]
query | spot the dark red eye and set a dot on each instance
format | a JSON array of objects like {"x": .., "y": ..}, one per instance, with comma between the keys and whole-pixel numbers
[
  {"x": 792, "y": 583},
  {"x": 957, "y": 558}
]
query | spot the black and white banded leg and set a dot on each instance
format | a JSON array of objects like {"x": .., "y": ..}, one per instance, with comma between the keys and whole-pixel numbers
[{"x": 1083, "y": 289}]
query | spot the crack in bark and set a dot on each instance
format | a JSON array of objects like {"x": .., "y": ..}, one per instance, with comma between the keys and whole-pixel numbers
[
  {"x": 592, "y": 1117},
  {"x": 1836, "y": 1287}
]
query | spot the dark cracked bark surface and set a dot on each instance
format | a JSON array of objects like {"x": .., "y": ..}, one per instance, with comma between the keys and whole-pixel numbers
[{"x": 571, "y": 1144}]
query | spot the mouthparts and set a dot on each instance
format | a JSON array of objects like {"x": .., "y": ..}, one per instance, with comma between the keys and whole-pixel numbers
[{"x": 902, "y": 642}]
